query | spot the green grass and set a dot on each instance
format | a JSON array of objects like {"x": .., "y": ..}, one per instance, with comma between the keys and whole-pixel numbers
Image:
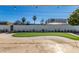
[{"x": 32, "y": 34}]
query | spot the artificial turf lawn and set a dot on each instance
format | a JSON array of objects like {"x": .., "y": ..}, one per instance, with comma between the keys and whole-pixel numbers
[{"x": 32, "y": 34}]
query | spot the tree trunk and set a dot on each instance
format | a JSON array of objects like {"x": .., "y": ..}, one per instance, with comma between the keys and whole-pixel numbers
[{"x": 34, "y": 22}]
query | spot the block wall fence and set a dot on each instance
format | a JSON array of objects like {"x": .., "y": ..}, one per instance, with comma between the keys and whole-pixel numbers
[{"x": 49, "y": 27}]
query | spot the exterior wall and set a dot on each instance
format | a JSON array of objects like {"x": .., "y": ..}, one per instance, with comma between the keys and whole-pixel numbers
[
  {"x": 4, "y": 27},
  {"x": 50, "y": 27}
]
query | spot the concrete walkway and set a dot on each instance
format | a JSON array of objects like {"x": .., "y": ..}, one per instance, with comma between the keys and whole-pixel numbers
[{"x": 74, "y": 34}]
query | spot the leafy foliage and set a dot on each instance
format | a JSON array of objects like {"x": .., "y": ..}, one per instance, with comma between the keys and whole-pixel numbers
[{"x": 74, "y": 18}]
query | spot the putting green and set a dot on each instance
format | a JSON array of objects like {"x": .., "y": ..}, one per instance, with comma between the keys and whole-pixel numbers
[{"x": 32, "y": 34}]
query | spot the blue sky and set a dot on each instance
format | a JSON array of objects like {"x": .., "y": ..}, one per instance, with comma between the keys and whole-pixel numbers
[{"x": 13, "y": 13}]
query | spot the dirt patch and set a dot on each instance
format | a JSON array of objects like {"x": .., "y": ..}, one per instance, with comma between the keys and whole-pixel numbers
[{"x": 47, "y": 44}]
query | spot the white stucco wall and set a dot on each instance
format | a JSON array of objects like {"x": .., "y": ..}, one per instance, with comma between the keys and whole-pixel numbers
[
  {"x": 5, "y": 27},
  {"x": 50, "y": 27}
]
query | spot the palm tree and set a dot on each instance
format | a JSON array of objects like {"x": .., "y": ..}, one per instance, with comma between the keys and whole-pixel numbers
[
  {"x": 34, "y": 19},
  {"x": 23, "y": 20}
]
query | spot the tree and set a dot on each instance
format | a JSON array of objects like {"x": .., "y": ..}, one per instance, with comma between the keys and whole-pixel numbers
[
  {"x": 17, "y": 22},
  {"x": 23, "y": 20},
  {"x": 28, "y": 23},
  {"x": 74, "y": 18},
  {"x": 42, "y": 21},
  {"x": 34, "y": 19}
]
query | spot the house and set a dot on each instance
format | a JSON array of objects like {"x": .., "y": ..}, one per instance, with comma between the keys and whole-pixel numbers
[{"x": 57, "y": 21}]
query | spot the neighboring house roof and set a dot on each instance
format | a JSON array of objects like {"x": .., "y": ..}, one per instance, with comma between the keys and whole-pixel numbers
[
  {"x": 61, "y": 20},
  {"x": 57, "y": 21},
  {"x": 5, "y": 23}
]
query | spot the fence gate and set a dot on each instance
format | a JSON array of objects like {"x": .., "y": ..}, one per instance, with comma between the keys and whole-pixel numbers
[{"x": 11, "y": 28}]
